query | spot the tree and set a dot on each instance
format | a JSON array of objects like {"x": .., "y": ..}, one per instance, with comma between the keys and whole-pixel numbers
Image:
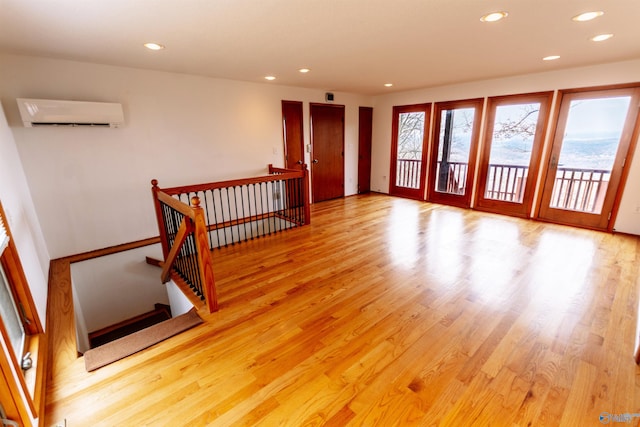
[
  {"x": 410, "y": 136},
  {"x": 524, "y": 125}
]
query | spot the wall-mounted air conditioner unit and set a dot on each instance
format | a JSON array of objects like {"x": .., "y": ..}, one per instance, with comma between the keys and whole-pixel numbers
[{"x": 49, "y": 112}]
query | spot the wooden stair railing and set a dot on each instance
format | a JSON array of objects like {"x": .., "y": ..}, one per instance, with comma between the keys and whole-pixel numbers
[
  {"x": 219, "y": 214},
  {"x": 187, "y": 258}
]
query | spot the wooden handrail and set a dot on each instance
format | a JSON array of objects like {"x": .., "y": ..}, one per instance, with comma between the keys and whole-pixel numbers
[
  {"x": 176, "y": 204},
  {"x": 290, "y": 174},
  {"x": 274, "y": 170}
]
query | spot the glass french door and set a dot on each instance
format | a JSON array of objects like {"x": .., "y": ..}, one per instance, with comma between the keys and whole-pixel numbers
[
  {"x": 510, "y": 159},
  {"x": 591, "y": 142},
  {"x": 455, "y": 141},
  {"x": 408, "y": 150}
]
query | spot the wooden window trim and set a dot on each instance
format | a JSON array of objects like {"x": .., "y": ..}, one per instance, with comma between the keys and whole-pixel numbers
[{"x": 33, "y": 380}]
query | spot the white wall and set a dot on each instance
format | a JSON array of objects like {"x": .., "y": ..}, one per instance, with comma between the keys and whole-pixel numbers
[
  {"x": 91, "y": 187},
  {"x": 25, "y": 228},
  {"x": 22, "y": 219},
  {"x": 179, "y": 303},
  {"x": 82, "y": 332},
  {"x": 628, "y": 220}
]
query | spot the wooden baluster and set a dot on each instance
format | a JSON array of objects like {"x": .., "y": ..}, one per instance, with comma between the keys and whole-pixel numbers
[
  {"x": 257, "y": 210},
  {"x": 244, "y": 215},
  {"x": 220, "y": 231},
  {"x": 236, "y": 204},
  {"x": 230, "y": 227},
  {"x": 305, "y": 189},
  {"x": 249, "y": 208},
  {"x": 206, "y": 211},
  {"x": 274, "y": 211},
  {"x": 264, "y": 206}
]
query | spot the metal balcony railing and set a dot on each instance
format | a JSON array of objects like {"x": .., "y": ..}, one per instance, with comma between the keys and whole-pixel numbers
[
  {"x": 577, "y": 189},
  {"x": 408, "y": 173},
  {"x": 506, "y": 182},
  {"x": 580, "y": 190},
  {"x": 452, "y": 178}
]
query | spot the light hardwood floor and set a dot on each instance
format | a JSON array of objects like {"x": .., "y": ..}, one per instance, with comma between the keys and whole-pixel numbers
[{"x": 383, "y": 311}]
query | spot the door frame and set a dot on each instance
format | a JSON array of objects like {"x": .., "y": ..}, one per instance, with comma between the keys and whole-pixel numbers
[
  {"x": 434, "y": 196},
  {"x": 395, "y": 190},
  {"x": 628, "y": 139},
  {"x": 524, "y": 209},
  {"x": 285, "y": 134},
  {"x": 365, "y": 132}
]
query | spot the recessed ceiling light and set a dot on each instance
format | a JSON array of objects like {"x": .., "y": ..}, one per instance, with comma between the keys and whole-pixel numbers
[
  {"x": 154, "y": 46},
  {"x": 304, "y": 70},
  {"x": 601, "y": 37},
  {"x": 388, "y": 84},
  {"x": 587, "y": 16},
  {"x": 270, "y": 78},
  {"x": 551, "y": 58},
  {"x": 494, "y": 16}
]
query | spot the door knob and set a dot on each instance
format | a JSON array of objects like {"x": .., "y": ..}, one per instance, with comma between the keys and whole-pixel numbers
[
  {"x": 299, "y": 162},
  {"x": 315, "y": 160}
]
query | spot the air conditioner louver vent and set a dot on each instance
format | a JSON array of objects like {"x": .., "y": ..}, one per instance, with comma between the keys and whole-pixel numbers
[{"x": 49, "y": 112}]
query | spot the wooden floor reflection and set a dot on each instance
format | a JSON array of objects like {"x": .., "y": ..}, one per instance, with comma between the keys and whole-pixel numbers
[{"x": 386, "y": 311}]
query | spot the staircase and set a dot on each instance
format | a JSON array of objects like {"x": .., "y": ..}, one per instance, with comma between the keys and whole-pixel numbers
[{"x": 160, "y": 313}]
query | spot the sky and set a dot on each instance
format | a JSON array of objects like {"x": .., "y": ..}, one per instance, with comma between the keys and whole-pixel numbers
[{"x": 597, "y": 116}]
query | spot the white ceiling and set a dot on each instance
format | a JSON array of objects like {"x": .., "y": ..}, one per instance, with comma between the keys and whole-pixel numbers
[{"x": 349, "y": 45}]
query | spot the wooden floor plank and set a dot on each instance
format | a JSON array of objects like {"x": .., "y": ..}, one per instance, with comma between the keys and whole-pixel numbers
[{"x": 384, "y": 311}]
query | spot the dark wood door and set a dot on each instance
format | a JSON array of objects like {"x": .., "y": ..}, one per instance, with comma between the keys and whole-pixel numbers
[
  {"x": 292, "y": 134},
  {"x": 365, "y": 126},
  {"x": 327, "y": 138}
]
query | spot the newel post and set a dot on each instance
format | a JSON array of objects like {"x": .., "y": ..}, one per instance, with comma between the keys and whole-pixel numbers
[
  {"x": 307, "y": 203},
  {"x": 205, "y": 259},
  {"x": 164, "y": 242}
]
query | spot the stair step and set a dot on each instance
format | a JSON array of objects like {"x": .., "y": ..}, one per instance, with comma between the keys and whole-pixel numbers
[{"x": 102, "y": 336}]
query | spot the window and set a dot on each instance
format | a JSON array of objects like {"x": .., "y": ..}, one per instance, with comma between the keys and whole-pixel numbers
[
  {"x": 11, "y": 318},
  {"x": 20, "y": 326},
  {"x": 8, "y": 308}
]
